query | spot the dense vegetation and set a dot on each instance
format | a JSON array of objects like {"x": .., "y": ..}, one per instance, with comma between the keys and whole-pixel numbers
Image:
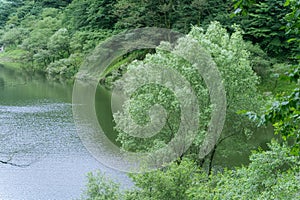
[
  {"x": 54, "y": 36},
  {"x": 255, "y": 45}
]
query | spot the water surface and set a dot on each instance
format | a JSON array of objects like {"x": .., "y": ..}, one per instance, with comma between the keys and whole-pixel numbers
[{"x": 45, "y": 157}]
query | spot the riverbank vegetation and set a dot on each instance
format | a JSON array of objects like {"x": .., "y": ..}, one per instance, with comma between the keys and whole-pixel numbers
[
  {"x": 54, "y": 37},
  {"x": 255, "y": 45}
]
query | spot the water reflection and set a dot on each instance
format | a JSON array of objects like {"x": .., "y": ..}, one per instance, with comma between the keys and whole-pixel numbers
[{"x": 2, "y": 83}]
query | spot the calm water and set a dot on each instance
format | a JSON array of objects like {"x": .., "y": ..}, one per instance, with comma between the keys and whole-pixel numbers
[{"x": 37, "y": 134}]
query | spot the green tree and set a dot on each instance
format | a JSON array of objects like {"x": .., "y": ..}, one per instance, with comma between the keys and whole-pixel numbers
[
  {"x": 13, "y": 37},
  {"x": 272, "y": 174},
  {"x": 171, "y": 183},
  {"x": 90, "y": 14},
  {"x": 179, "y": 15},
  {"x": 293, "y": 25},
  {"x": 284, "y": 115},
  {"x": 7, "y": 7},
  {"x": 36, "y": 44},
  {"x": 263, "y": 25},
  {"x": 53, "y": 3},
  {"x": 101, "y": 188},
  {"x": 39, "y": 36},
  {"x": 64, "y": 68},
  {"x": 85, "y": 41},
  {"x": 59, "y": 44},
  {"x": 232, "y": 58}
]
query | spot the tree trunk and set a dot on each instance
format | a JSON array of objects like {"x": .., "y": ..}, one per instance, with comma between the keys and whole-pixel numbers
[{"x": 212, "y": 155}]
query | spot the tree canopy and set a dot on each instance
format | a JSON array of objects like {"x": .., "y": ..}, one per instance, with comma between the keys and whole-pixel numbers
[{"x": 255, "y": 45}]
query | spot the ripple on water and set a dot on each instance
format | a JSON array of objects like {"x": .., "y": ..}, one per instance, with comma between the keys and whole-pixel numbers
[{"x": 37, "y": 130}]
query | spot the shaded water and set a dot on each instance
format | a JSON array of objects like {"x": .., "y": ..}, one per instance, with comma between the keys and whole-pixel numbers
[{"x": 45, "y": 157}]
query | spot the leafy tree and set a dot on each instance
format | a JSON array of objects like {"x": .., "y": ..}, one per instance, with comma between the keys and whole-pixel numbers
[
  {"x": 170, "y": 183},
  {"x": 232, "y": 58},
  {"x": 272, "y": 174},
  {"x": 101, "y": 188},
  {"x": 27, "y": 8},
  {"x": 84, "y": 41},
  {"x": 75, "y": 14},
  {"x": 263, "y": 25},
  {"x": 65, "y": 68},
  {"x": 36, "y": 44},
  {"x": 38, "y": 37},
  {"x": 293, "y": 24},
  {"x": 284, "y": 115},
  {"x": 53, "y": 3},
  {"x": 90, "y": 14},
  {"x": 179, "y": 15},
  {"x": 59, "y": 44},
  {"x": 100, "y": 14},
  {"x": 13, "y": 37},
  {"x": 242, "y": 6},
  {"x": 7, "y": 7}
]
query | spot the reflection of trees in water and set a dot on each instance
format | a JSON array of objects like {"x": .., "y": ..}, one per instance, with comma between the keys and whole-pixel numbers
[
  {"x": 7, "y": 157},
  {"x": 2, "y": 83}
]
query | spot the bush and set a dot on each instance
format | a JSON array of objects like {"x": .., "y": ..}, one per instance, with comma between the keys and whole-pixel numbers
[{"x": 100, "y": 187}]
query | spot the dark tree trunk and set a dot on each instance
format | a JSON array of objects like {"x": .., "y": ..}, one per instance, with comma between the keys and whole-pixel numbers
[{"x": 212, "y": 155}]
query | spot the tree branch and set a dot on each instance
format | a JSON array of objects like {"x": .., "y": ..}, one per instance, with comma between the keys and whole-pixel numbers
[{"x": 14, "y": 164}]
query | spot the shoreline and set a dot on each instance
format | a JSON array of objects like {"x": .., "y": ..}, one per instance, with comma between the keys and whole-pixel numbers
[{"x": 9, "y": 63}]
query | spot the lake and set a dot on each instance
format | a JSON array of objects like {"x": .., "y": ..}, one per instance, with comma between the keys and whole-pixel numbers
[{"x": 46, "y": 159}]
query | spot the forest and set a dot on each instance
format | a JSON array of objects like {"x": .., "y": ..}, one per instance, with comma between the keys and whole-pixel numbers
[{"x": 255, "y": 45}]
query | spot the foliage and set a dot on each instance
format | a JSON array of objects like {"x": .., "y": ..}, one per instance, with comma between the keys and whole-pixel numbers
[
  {"x": 271, "y": 24},
  {"x": 90, "y": 15},
  {"x": 178, "y": 15},
  {"x": 263, "y": 25},
  {"x": 88, "y": 22},
  {"x": 165, "y": 14},
  {"x": 48, "y": 34},
  {"x": 38, "y": 37},
  {"x": 284, "y": 115},
  {"x": 242, "y": 6},
  {"x": 272, "y": 174},
  {"x": 101, "y": 188},
  {"x": 261, "y": 63},
  {"x": 7, "y": 8},
  {"x": 59, "y": 44},
  {"x": 84, "y": 41},
  {"x": 54, "y": 37},
  {"x": 53, "y": 3},
  {"x": 170, "y": 183},
  {"x": 232, "y": 58},
  {"x": 65, "y": 67},
  {"x": 293, "y": 23},
  {"x": 13, "y": 37},
  {"x": 37, "y": 43}
]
